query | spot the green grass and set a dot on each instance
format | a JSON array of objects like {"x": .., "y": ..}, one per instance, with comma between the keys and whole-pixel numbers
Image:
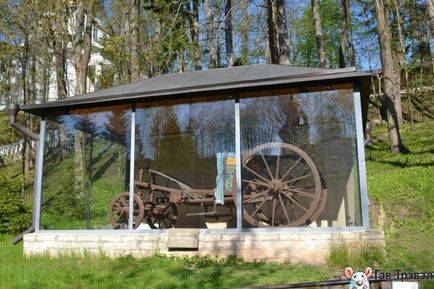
[
  {"x": 63, "y": 207},
  {"x": 153, "y": 272},
  {"x": 401, "y": 191}
]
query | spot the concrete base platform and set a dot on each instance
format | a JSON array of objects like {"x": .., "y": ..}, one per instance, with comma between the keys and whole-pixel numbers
[{"x": 281, "y": 246}]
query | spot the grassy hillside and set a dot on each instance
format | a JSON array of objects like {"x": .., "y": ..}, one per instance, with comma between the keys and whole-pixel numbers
[{"x": 401, "y": 193}]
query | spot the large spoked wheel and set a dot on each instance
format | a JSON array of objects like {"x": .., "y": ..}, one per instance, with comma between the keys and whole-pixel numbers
[
  {"x": 119, "y": 208},
  {"x": 281, "y": 186},
  {"x": 163, "y": 214}
]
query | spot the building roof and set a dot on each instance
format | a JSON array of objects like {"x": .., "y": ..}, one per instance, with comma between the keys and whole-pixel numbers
[{"x": 200, "y": 83}]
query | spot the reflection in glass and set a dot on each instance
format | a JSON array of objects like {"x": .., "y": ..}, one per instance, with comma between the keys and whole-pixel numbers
[
  {"x": 186, "y": 148},
  {"x": 85, "y": 163},
  {"x": 300, "y": 160}
]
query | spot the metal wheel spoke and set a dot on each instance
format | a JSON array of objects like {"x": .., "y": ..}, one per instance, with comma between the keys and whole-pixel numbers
[
  {"x": 165, "y": 211},
  {"x": 295, "y": 202},
  {"x": 284, "y": 205},
  {"x": 256, "y": 196},
  {"x": 273, "y": 213},
  {"x": 256, "y": 182},
  {"x": 284, "y": 209},
  {"x": 164, "y": 221},
  {"x": 301, "y": 193},
  {"x": 293, "y": 209},
  {"x": 261, "y": 215},
  {"x": 291, "y": 168},
  {"x": 295, "y": 185},
  {"x": 257, "y": 209},
  {"x": 277, "y": 206},
  {"x": 255, "y": 173},
  {"x": 277, "y": 166},
  {"x": 266, "y": 165},
  {"x": 297, "y": 179}
]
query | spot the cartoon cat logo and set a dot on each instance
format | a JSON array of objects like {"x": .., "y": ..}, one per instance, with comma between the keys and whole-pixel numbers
[{"x": 359, "y": 280}]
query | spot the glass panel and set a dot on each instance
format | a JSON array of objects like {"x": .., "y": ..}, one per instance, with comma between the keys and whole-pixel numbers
[
  {"x": 185, "y": 158},
  {"x": 299, "y": 163},
  {"x": 85, "y": 169}
]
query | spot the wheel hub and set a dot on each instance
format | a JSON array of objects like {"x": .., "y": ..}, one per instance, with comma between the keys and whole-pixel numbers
[{"x": 275, "y": 186}]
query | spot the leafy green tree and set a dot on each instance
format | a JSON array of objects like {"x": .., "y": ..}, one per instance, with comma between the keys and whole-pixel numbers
[{"x": 305, "y": 46}]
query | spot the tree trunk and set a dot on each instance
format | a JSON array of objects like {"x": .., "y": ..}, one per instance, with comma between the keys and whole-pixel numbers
[
  {"x": 79, "y": 163},
  {"x": 277, "y": 32},
  {"x": 397, "y": 87},
  {"x": 210, "y": 33},
  {"x": 282, "y": 32},
  {"x": 59, "y": 47},
  {"x": 218, "y": 10},
  {"x": 135, "y": 25},
  {"x": 273, "y": 42},
  {"x": 24, "y": 59},
  {"x": 228, "y": 33},
  {"x": 193, "y": 21},
  {"x": 323, "y": 61},
  {"x": 82, "y": 42},
  {"x": 429, "y": 36},
  {"x": 82, "y": 47},
  {"x": 181, "y": 61},
  {"x": 400, "y": 63},
  {"x": 430, "y": 10},
  {"x": 60, "y": 64},
  {"x": 125, "y": 73},
  {"x": 195, "y": 36},
  {"x": 244, "y": 33},
  {"x": 346, "y": 38},
  {"x": 385, "y": 37}
]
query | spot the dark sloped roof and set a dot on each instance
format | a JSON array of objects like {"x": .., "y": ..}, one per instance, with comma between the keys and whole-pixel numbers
[{"x": 199, "y": 82}]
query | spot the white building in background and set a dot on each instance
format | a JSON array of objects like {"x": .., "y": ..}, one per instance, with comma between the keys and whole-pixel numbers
[
  {"x": 96, "y": 62},
  {"x": 48, "y": 91}
]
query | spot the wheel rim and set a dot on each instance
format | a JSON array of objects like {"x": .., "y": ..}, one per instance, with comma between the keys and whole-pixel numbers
[
  {"x": 118, "y": 211},
  {"x": 281, "y": 186},
  {"x": 163, "y": 214}
]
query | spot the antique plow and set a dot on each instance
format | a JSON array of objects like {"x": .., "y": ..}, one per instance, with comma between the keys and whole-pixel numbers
[{"x": 281, "y": 186}]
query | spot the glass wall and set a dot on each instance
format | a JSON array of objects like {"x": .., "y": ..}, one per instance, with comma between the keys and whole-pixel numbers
[
  {"x": 186, "y": 149},
  {"x": 299, "y": 159},
  {"x": 298, "y": 163},
  {"x": 85, "y": 170}
]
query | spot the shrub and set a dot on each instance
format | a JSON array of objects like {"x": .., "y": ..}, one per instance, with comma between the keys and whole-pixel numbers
[{"x": 15, "y": 214}]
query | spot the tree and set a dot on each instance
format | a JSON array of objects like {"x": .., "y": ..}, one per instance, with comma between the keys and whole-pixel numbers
[
  {"x": 244, "y": 33},
  {"x": 135, "y": 21},
  {"x": 210, "y": 33},
  {"x": 277, "y": 32},
  {"x": 402, "y": 65},
  {"x": 228, "y": 33},
  {"x": 83, "y": 15},
  {"x": 192, "y": 12},
  {"x": 60, "y": 47},
  {"x": 318, "y": 34},
  {"x": 346, "y": 36},
  {"x": 385, "y": 37},
  {"x": 430, "y": 11}
]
